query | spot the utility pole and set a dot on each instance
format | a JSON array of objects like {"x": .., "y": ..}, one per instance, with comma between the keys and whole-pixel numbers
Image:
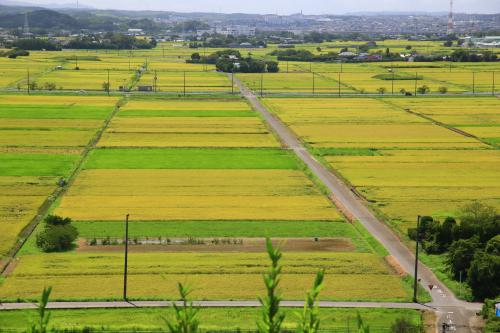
[
  {"x": 109, "y": 87},
  {"x": 126, "y": 259},
  {"x": 392, "y": 83},
  {"x": 184, "y": 83},
  {"x": 261, "y": 84},
  {"x": 232, "y": 81},
  {"x": 416, "y": 78},
  {"x": 339, "y": 84},
  {"x": 493, "y": 86},
  {"x": 156, "y": 81},
  {"x": 415, "y": 281},
  {"x": 76, "y": 62},
  {"x": 314, "y": 88},
  {"x": 287, "y": 66},
  {"x": 473, "y": 83},
  {"x": 28, "y": 81}
]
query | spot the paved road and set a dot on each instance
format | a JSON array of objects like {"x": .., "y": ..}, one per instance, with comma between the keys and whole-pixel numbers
[
  {"x": 207, "y": 304},
  {"x": 450, "y": 310}
]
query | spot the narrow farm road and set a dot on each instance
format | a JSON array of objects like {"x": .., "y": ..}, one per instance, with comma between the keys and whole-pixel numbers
[{"x": 450, "y": 310}]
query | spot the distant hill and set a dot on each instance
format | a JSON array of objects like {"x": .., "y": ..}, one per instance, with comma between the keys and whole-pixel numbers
[{"x": 40, "y": 18}]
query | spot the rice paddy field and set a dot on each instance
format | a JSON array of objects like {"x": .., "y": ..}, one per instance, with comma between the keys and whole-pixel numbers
[
  {"x": 182, "y": 123},
  {"x": 41, "y": 140},
  {"x": 184, "y": 82},
  {"x": 205, "y": 168},
  {"x": 195, "y": 163},
  {"x": 406, "y": 156}
]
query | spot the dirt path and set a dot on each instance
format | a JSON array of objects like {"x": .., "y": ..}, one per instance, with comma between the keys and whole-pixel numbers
[{"x": 450, "y": 310}]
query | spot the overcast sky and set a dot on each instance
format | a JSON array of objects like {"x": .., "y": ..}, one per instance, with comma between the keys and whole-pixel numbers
[{"x": 290, "y": 6}]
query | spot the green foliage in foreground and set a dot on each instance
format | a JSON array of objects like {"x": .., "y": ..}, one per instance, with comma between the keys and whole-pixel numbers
[
  {"x": 42, "y": 323},
  {"x": 27, "y": 164},
  {"x": 191, "y": 158},
  {"x": 185, "y": 320},
  {"x": 380, "y": 320},
  {"x": 272, "y": 316}
]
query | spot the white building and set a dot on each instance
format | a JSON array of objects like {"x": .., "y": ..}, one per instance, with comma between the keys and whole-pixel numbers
[
  {"x": 236, "y": 30},
  {"x": 485, "y": 42}
]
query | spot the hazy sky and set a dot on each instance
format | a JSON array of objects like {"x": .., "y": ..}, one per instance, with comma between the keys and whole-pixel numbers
[{"x": 292, "y": 6}]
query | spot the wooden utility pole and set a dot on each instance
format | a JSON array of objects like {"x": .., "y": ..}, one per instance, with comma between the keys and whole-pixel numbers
[
  {"x": 29, "y": 81},
  {"x": 473, "y": 83},
  {"x": 156, "y": 81},
  {"x": 261, "y": 85},
  {"x": 109, "y": 87},
  {"x": 184, "y": 83},
  {"x": 126, "y": 259},
  {"x": 493, "y": 85},
  {"x": 416, "y": 78},
  {"x": 232, "y": 81},
  {"x": 339, "y": 84},
  {"x": 314, "y": 88},
  {"x": 415, "y": 276},
  {"x": 392, "y": 83}
]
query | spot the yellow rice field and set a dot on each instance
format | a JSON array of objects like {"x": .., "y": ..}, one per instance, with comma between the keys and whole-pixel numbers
[
  {"x": 213, "y": 275},
  {"x": 196, "y": 195}
]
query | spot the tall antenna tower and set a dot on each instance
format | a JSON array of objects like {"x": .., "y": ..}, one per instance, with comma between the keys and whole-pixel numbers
[
  {"x": 26, "y": 28},
  {"x": 450, "y": 19}
]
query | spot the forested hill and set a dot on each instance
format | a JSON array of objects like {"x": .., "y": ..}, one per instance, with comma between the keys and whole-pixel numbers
[{"x": 41, "y": 18}]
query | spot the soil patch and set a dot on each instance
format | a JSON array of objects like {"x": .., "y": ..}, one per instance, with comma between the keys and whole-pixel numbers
[{"x": 242, "y": 245}]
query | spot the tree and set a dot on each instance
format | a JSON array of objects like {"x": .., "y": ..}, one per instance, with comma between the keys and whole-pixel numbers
[
  {"x": 402, "y": 91},
  {"x": 195, "y": 56},
  {"x": 493, "y": 246},
  {"x": 272, "y": 318},
  {"x": 57, "y": 235},
  {"x": 185, "y": 320},
  {"x": 423, "y": 90},
  {"x": 309, "y": 318},
  {"x": 408, "y": 47},
  {"x": 41, "y": 325},
  {"x": 381, "y": 90},
  {"x": 461, "y": 254},
  {"x": 479, "y": 219},
  {"x": 448, "y": 43},
  {"x": 484, "y": 275},
  {"x": 443, "y": 90},
  {"x": 272, "y": 66}
]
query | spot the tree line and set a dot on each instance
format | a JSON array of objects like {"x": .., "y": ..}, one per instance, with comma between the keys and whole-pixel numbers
[
  {"x": 230, "y": 60},
  {"x": 471, "y": 246}
]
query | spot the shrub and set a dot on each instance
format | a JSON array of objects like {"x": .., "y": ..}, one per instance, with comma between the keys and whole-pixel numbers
[
  {"x": 443, "y": 90},
  {"x": 423, "y": 90},
  {"x": 381, "y": 90},
  {"x": 404, "y": 325}
]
